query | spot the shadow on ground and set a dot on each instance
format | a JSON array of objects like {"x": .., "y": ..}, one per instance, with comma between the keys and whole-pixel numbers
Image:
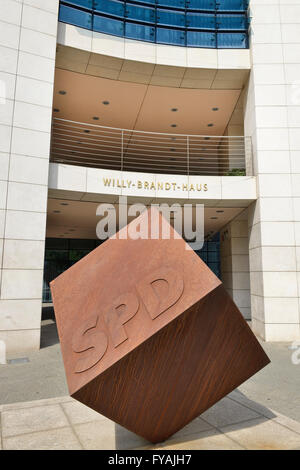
[{"x": 233, "y": 413}]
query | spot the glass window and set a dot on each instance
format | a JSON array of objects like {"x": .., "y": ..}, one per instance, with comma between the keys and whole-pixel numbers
[
  {"x": 76, "y": 17},
  {"x": 60, "y": 255},
  {"x": 57, "y": 243},
  {"x": 232, "y": 40},
  {"x": 110, "y": 7},
  {"x": 203, "y": 256},
  {"x": 215, "y": 268},
  {"x": 201, "y": 4},
  {"x": 231, "y": 5},
  {"x": 82, "y": 244},
  {"x": 109, "y": 26},
  {"x": 76, "y": 255},
  {"x": 213, "y": 256},
  {"x": 140, "y": 13},
  {"x": 232, "y": 22},
  {"x": 171, "y": 3},
  {"x": 201, "y": 21},
  {"x": 212, "y": 246},
  {"x": 149, "y": 2},
  {"x": 201, "y": 39},
  {"x": 170, "y": 36},
  {"x": 139, "y": 31},
  {"x": 170, "y": 18},
  {"x": 81, "y": 3}
]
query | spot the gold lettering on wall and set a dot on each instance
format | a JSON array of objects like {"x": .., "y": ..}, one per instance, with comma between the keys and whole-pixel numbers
[{"x": 154, "y": 186}]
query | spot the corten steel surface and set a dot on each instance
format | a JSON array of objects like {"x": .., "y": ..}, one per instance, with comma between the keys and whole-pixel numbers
[{"x": 149, "y": 336}]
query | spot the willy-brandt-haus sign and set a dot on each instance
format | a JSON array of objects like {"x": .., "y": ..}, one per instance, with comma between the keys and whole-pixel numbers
[{"x": 154, "y": 185}]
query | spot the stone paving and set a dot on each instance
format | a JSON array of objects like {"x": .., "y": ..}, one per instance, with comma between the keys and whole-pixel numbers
[{"x": 235, "y": 423}]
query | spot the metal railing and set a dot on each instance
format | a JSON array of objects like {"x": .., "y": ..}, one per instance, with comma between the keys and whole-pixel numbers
[{"x": 90, "y": 145}]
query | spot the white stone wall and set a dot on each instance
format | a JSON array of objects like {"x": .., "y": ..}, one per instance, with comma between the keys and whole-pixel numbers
[
  {"x": 234, "y": 254},
  {"x": 28, "y": 30},
  {"x": 272, "y": 118}
]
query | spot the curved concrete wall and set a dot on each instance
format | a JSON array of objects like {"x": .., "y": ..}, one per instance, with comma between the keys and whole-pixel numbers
[
  {"x": 122, "y": 48},
  {"x": 93, "y": 183}
]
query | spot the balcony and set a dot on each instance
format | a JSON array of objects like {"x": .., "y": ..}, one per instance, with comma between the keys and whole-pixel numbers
[{"x": 94, "y": 146}]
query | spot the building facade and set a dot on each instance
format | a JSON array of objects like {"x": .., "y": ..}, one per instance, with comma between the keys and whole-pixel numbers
[{"x": 176, "y": 101}]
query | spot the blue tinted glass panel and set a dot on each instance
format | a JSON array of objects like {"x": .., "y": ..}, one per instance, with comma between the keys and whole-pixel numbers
[
  {"x": 212, "y": 246},
  {"x": 139, "y": 31},
  {"x": 201, "y": 4},
  {"x": 201, "y": 39},
  {"x": 76, "y": 17},
  {"x": 232, "y": 22},
  {"x": 110, "y": 7},
  {"x": 231, "y": 5},
  {"x": 232, "y": 40},
  {"x": 182, "y": 22},
  {"x": 203, "y": 256},
  {"x": 81, "y": 3},
  {"x": 170, "y": 18},
  {"x": 109, "y": 26},
  {"x": 171, "y": 3},
  {"x": 203, "y": 21},
  {"x": 140, "y": 13},
  {"x": 170, "y": 36},
  {"x": 215, "y": 268},
  {"x": 213, "y": 256},
  {"x": 149, "y": 2}
]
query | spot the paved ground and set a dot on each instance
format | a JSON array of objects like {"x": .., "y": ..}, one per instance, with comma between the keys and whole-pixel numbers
[
  {"x": 234, "y": 423},
  {"x": 242, "y": 420}
]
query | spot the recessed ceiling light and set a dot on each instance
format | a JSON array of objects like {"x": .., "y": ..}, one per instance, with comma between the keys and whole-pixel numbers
[
  {"x": 96, "y": 118},
  {"x": 56, "y": 110},
  {"x": 105, "y": 102},
  {"x": 56, "y": 212},
  {"x": 173, "y": 125},
  {"x": 210, "y": 125},
  {"x": 215, "y": 109},
  {"x": 62, "y": 92},
  {"x": 174, "y": 110}
]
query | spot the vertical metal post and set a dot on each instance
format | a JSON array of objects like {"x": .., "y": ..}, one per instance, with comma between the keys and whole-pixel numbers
[
  {"x": 122, "y": 148},
  {"x": 188, "y": 154}
]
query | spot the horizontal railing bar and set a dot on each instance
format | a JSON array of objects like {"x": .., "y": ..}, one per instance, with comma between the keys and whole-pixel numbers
[
  {"x": 206, "y": 139},
  {"x": 164, "y": 142},
  {"x": 165, "y": 164},
  {"x": 130, "y": 167},
  {"x": 136, "y": 150},
  {"x": 153, "y": 157},
  {"x": 136, "y": 131},
  {"x": 89, "y": 144}
]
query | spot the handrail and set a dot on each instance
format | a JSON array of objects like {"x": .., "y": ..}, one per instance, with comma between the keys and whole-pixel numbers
[{"x": 84, "y": 144}]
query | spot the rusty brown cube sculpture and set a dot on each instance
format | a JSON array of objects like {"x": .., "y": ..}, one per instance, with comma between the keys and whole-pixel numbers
[{"x": 149, "y": 336}]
